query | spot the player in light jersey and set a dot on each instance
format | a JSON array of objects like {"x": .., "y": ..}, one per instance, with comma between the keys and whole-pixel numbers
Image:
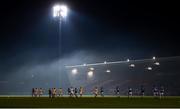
[
  {"x": 96, "y": 91},
  {"x": 36, "y": 92},
  {"x": 40, "y": 92},
  {"x": 81, "y": 91},
  {"x": 54, "y": 92},
  {"x": 60, "y": 92},
  {"x": 71, "y": 91}
]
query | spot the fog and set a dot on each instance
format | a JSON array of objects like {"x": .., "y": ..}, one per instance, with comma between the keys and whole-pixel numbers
[{"x": 20, "y": 79}]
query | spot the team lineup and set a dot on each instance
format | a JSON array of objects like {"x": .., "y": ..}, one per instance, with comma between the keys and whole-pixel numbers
[{"x": 79, "y": 92}]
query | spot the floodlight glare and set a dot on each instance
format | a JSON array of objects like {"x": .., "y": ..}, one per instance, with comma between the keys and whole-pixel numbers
[
  {"x": 108, "y": 71},
  {"x": 128, "y": 60},
  {"x": 90, "y": 73},
  {"x": 84, "y": 64},
  {"x": 91, "y": 68},
  {"x": 74, "y": 71},
  {"x": 60, "y": 11},
  {"x": 132, "y": 65},
  {"x": 149, "y": 68},
  {"x": 157, "y": 63},
  {"x": 154, "y": 58},
  {"x": 105, "y": 62}
]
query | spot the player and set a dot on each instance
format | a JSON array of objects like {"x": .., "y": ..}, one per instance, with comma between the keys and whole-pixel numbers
[
  {"x": 33, "y": 91},
  {"x": 36, "y": 92},
  {"x": 130, "y": 92},
  {"x": 71, "y": 91},
  {"x": 60, "y": 92},
  {"x": 155, "y": 92},
  {"x": 81, "y": 91},
  {"x": 50, "y": 92},
  {"x": 95, "y": 91},
  {"x": 161, "y": 93},
  {"x": 142, "y": 91},
  {"x": 76, "y": 92},
  {"x": 102, "y": 92},
  {"x": 40, "y": 92},
  {"x": 117, "y": 91},
  {"x": 54, "y": 92}
]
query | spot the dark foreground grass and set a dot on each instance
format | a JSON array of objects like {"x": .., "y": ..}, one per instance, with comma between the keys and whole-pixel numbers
[{"x": 89, "y": 102}]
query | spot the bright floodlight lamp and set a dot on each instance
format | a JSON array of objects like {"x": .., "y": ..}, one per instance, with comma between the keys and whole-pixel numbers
[
  {"x": 128, "y": 60},
  {"x": 157, "y": 63},
  {"x": 90, "y": 73},
  {"x": 149, "y": 68},
  {"x": 74, "y": 71},
  {"x": 105, "y": 62},
  {"x": 60, "y": 11},
  {"x": 132, "y": 65},
  {"x": 108, "y": 71},
  {"x": 91, "y": 68},
  {"x": 154, "y": 58},
  {"x": 84, "y": 64}
]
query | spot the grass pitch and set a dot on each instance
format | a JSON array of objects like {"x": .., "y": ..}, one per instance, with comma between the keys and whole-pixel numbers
[{"x": 89, "y": 102}]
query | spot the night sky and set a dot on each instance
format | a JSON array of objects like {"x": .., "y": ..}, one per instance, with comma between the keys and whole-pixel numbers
[{"x": 115, "y": 29}]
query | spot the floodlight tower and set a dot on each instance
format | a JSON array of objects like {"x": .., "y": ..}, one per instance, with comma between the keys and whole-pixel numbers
[{"x": 60, "y": 13}]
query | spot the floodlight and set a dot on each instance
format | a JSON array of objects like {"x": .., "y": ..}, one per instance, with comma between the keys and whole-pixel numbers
[
  {"x": 149, "y": 68},
  {"x": 84, "y": 64},
  {"x": 154, "y": 58},
  {"x": 74, "y": 71},
  {"x": 132, "y": 65},
  {"x": 91, "y": 68},
  {"x": 90, "y": 73},
  {"x": 128, "y": 60},
  {"x": 108, "y": 71},
  {"x": 105, "y": 62},
  {"x": 60, "y": 11},
  {"x": 157, "y": 63}
]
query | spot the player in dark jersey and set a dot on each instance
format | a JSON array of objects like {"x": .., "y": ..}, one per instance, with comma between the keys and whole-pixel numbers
[
  {"x": 117, "y": 91},
  {"x": 130, "y": 92},
  {"x": 76, "y": 92},
  {"x": 142, "y": 91},
  {"x": 50, "y": 92},
  {"x": 102, "y": 92},
  {"x": 69, "y": 91},
  {"x": 33, "y": 90},
  {"x": 161, "y": 92},
  {"x": 155, "y": 91}
]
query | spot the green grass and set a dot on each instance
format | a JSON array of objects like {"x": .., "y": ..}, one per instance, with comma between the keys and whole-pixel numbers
[{"x": 89, "y": 102}]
